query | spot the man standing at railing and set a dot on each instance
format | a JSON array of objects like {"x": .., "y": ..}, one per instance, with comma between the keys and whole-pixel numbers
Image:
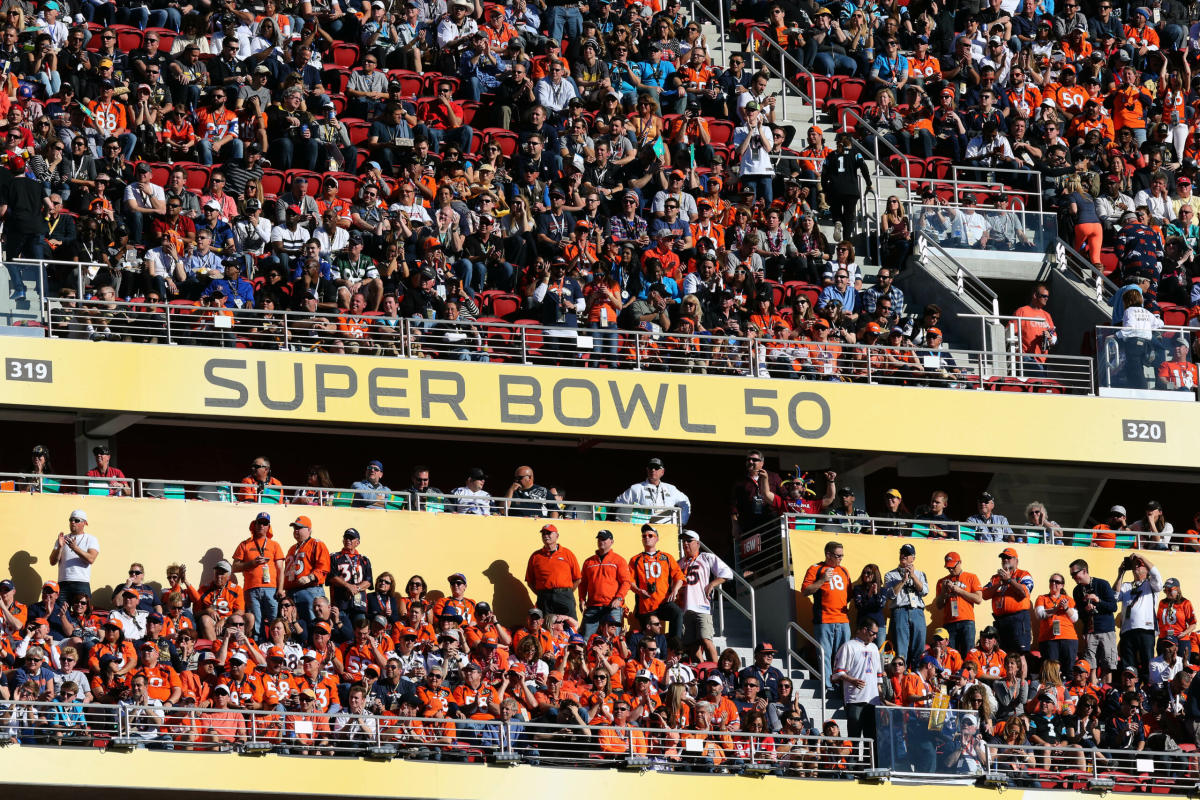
[
  {"x": 23, "y": 209},
  {"x": 553, "y": 575},
  {"x": 118, "y": 486},
  {"x": 260, "y": 558},
  {"x": 828, "y": 584},
  {"x": 655, "y": 492},
  {"x": 657, "y": 580},
  {"x": 1097, "y": 605},
  {"x": 1139, "y": 607},
  {"x": 704, "y": 572},
  {"x": 74, "y": 554},
  {"x": 859, "y": 669},
  {"x": 306, "y": 566},
  {"x": 604, "y": 581}
]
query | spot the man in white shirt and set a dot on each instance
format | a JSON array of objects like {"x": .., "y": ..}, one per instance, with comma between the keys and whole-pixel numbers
[
  {"x": 472, "y": 499},
  {"x": 133, "y": 621},
  {"x": 554, "y": 91},
  {"x": 1139, "y": 605},
  {"x": 858, "y": 667},
  {"x": 457, "y": 25},
  {"x": 705, "y": 572},
  {"x": 74, "y": 553},
  {"x": 655, "y": 492},
  {"x": 1168, "y": 664}
]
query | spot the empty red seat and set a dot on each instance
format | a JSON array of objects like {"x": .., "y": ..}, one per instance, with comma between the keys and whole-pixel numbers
[{"x": 345, "y": 54}]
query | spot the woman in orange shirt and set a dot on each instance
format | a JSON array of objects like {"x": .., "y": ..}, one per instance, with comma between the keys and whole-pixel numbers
[
  {"x": 1057, "y": 615},
  {"x": 603, "y": 306}
]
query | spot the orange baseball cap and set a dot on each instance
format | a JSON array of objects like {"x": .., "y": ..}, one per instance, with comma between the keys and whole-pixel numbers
[
  {"x": 953, "y": 559},
  {"x": 49, "y": 585},
  {"x": 302, "y": 522},
  {"x": 323, "y": 627},
  {"x": 276, "y": 652},
  {"x": 549, "y": 529},
  {"x": 821, "y": 322},
  {"x": 1083, "y": 664},
  {"x": 115, "y": 623},
  {"x": 1008, "y": 552},
  {"x": 873, "y": 327}
]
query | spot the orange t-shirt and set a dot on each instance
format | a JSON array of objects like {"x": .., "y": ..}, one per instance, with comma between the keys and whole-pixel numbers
[
  {"x": 225, "y": 600},
  {"x": 831, "y": 602},
  {"x": 309, "y": 558},
  {"x": 1104, "y": 536},
  {"x": 1056, "y": 625},
  {"x": 267, "y": 575},
  {"x": 161, "y": 680},
  {"x": 991, "y": 665},
  {"x": 957, "y": 609},
  {"x": 913, "y": 686}
]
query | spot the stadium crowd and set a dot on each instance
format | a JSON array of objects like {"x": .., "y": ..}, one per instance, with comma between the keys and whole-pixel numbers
[{"x": 1059, "y": 669}]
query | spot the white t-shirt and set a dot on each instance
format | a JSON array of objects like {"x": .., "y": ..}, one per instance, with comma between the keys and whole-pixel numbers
[
  {"x": 861, "y": 661},
  {"x": 757, "y": 158},
  {"x": 469, "y": 502},
  {"x": 72, "y": 567},
  {"x": 699, "y": 571}
]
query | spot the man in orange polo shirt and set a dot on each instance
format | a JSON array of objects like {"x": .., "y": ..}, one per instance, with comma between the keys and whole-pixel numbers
[
  {"x": 605, "y": 582},
  {"x": 657, "y": 580},
  {"x": 1010, "y": 591},
  {"x": 553, "y": 575},
  {"x": 957, "y": 595}
]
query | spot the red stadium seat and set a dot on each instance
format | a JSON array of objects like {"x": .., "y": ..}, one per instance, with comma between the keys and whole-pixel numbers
[
  {"x": 720, "y": 131},
  {"x": 128, "y": 38},
  {"x": 272, "y": 182},
  {"x": 358, "y": 130},
  {"x": 503, "y": 137},
  {"x": 345, "y": 54},
  {"x": 197, "y": 176},
  {"x": 411, "y": 83}
]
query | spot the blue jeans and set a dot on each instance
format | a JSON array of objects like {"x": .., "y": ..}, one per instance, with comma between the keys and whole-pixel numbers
[
  {"x": 230, "y": 151},
  {"x": 567, "y": 17},
  {"x": 500, "y": 276},
  {"x": 831, "y": 635},
  {"x": 259, "y": 600},
  {"x": 459, "y": 136},
  {"x": 303, "y": 598},
  {"x": 760, "y": 185},
  {"x": 962, "y": 634},
  {"x": 604, "y": 342},
  {"x": 593, "y": 616},
  {"x": 471, "y": 274},
  {"x": 289, "y": 153},
  {"x": 908, "y": 632},
  {"x": 829, "y": 63}
]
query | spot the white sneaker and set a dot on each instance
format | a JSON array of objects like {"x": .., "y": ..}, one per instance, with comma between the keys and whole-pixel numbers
[{"x": 837, "y": 231}]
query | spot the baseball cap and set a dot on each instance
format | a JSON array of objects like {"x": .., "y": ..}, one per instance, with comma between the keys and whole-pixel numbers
[
  {"x": 1082, "y": 665},
  {"x": 1118, "y": 510},
  {"x": 644, "y": 675},
  {"x": 655, "y": 462},
  {"x": 1008, "y": 552},
  {"x": 873, "y": 327},
  {"x": 221, "y": 688},
  {"x": 351, "y": 533},
  {"x": 932, "y": 333},
  {"x": 846, "y": 491},
  {"x": 263, "y": 517},
  {"x": 893, "y": 493},
  {"x": 458, "y": 576},
  {"x": 691, "y": 536},
  {"x": 276, "y": 652},
  {"x": 752, "y": 105},
  {"x": 714, "y": 677},
  {"x": 376, "y": 463},
  {"x": 535, "y": 612},
  {"x": 1171, "y": 583},
  {"x": 941, "y": 633},
  {"x": 764, "y": 647},
  {"x": 476, "y": 474},
  {"x": 986, "y": 497},
  {"x": 988, "y": 633},
  {"x": 302, "y": 522},
  {"x": 323, "y": 627},
  {"x": 79, "y": 514},
  {"x": 549, "y": 529},
  {"x": 907, "y": 550},
  {"x": 50, "y": 585},
  {"x": 237, "y": 658},
  {"x": 927, "y": 661},
  {"x": 953, "y": 559},
  {"x": 223, "y": 565},
  {"x": 604, "y": 534},
  {"x": 114, "y": 623}
]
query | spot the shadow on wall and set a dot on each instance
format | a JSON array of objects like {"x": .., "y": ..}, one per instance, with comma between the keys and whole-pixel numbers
[
  {"x": 511, "y": 599},
  {"x": 27, "y": 579}
]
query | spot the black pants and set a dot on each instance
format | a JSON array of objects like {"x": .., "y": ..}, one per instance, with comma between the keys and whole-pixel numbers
[
  {"x": 842, "y": 207},
  {"x": 860, "y": 720},
  {"x": 557, "y": 601},
  {"x": 1135, "y": 649}
]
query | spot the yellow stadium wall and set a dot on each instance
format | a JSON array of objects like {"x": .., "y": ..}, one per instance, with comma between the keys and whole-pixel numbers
[
  {"x": 981, "y": 558},
  {"x": 490, "y": 551},
  {"x": 183, "y": 773}
]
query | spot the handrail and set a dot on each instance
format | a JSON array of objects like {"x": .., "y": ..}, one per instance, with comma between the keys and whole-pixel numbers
[
  {"x": 756, "y": 35},
  {"x": 961, "y": 530},
  {"x": 719, "y": 21},
  {"x": 881, "y": 168},
  {"x": 226, "y": 491},
  {"x": 751, "y": 614},
  {"x": 44, "y": 262},
  {"x": 485, "y": 340},
  {"x": 963, "y": 279},
  {"x": 1008, "y": 189},
  {"x": 1069, "y": 260},
  {"x": 794, "y": 656}
]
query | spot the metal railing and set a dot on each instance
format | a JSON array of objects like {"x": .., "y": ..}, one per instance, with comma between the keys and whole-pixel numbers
[
  {"x": 574, "y": 741},
  {"x": 794, "y": 657},
  {"x": 723, "y": 596},
  {"x": 39, "y": 265},
  {"x": 493, "y": 341},
  {"x": 1144, "y": 363},
  {"x": 1028, "y": 364},
  {"x": 968, "y": 184},
  {"x": 380, "y": 498},
  {"x": 970, "y": 530},
  {"x": 935, "y": 258},
  {"x": 757, "y": 41},
  {"x": 1071, "y": 766},
  {"x": 1071, "y": 262}
]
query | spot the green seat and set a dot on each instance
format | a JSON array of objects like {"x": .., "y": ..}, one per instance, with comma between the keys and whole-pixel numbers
[
  {"x": 173, "y": 491},
  {"x": 225, "y": 494},
  {"x": 271, "y": 495},
  {"x": 435, "y": 505},
  {"x": 51, "y": 486},
  {"x": 601, "y": 513},
  {"x": 1080, "y": 538},
  {"x": 1126, "y": 541},
  {"x": 396, "y": 502},
  {"x": 98, "y": 488},
  {"x": 639, "y": 517},
  {"x": 343, "y": 499},
  {"x": 966, "y": 534},
  {"x": 920, "y": 531},
  {"x": 804, "y": 524}
]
